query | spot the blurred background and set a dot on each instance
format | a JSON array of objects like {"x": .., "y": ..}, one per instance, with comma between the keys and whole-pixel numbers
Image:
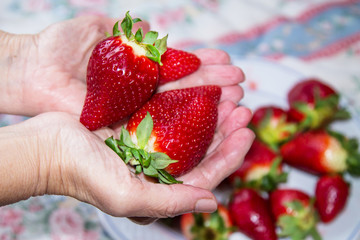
[{"x": 319, "y": 38}]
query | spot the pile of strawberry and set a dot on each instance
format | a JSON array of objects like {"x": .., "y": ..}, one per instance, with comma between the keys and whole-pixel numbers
[
  {"x": 261, "y": 205},
  {"x": 167, "y": 133}
]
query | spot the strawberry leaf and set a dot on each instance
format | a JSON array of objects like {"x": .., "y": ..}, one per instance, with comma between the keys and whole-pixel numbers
[
  {"x": 151, "y": 171},
  {"x": 125, "y": 138},
  {"x": 139, "y": 35},
  {"x": 127, "y": 24},
  {"x": 161, "y": 160},
  {"x": 111, "y": 142},
  {"x": 165, "y": 177},
  {"x": 342, "y": 114},
  {"x": 153, "y": 53},
  {"x": 161, "y": 44},
  {"x": 135, "y": 20},
  {"x": 116, "y": 31},
  {"x": 146, "y": 158},
  {"x": 150, "y": 37},
  {"x": 138, "y": 169},
  {"x": 143, "y": 131},
  {"x": 128, "y": 155}
]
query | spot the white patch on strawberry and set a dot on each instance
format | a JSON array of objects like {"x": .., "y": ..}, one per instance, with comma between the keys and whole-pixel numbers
[
  {"x": 335, "y": 156},
  {"x": 149, "y": 147},
  {"x": 138, "y": 50},
  {"x": 257, "y": 173}
]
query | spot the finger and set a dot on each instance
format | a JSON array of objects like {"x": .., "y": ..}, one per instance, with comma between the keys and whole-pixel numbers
[
  {"x": 222, "y": 75},
  {"x": 210, "y": 56},
  {"x": 222, "y": 162},
  {"x": 232, "y": 93},
  {"x": 224, "y": 109},
  {"x": 237, "y": 119}
]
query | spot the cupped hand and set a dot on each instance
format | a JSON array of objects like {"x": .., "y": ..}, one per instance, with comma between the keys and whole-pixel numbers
[
  {"x": 54, "y": 75},
  {"x": 53, "y": 72},
  {"x": 76, "y": 162}
]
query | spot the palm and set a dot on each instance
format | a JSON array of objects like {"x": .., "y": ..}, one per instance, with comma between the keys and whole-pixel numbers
[
  {"x": 59, "y": 68},
  {"x": 60, "y": 64}
]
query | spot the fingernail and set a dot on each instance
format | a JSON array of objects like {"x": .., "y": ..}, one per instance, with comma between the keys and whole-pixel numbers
[{"x": 206, "y": 205}]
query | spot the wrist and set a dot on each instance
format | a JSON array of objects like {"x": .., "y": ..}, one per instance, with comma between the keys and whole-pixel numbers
[
  {"x": 19, "y": 170},
  {"x": 17, "y": 52},
  {"x": 32, "y": 160}
]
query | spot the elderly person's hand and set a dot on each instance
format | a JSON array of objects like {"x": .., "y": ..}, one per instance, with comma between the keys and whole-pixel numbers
[
  {"x": 46, "y": 72},
  {"x": 53, "y": 153}
]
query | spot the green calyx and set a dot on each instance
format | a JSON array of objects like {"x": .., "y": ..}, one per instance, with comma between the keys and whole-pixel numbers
[
  {"x": 152, "y": 164},
  {"x": 324, "y": 111},
  {"x": 154, "y": 47},
  {"x": 213, "y": 228},
  {"x": 301, "y": 224},
  {"x": 268, "y": 182},
  {"x": 274, "y": 135}
]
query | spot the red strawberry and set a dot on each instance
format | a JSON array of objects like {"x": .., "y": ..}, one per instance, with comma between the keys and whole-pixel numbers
[
  {"x": 322, "y": 152},
  {"x": 314, "y": 104},
  {"x": 294, "y": 213},
  {"x": 251, "y": 214},
  {"x": 122, "y": 75},
  {"x": 209, "y": 226},
  {"x": 177, "y": 124},
  {"x": 177, "y": 64},
  {"x": 331, "y": 195},
  {"x": 272, "y": 126},
  {"x": 262, "y": 168}
]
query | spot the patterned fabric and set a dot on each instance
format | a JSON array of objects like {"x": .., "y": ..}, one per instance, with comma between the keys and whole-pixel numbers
[{"x": 315, "y": 37}]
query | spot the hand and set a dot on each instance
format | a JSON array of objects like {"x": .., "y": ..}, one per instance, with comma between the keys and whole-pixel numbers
[
  {"x": 48, "y": 72},
  {"x": 53, "y": 68},
  {"x": 75, "y": 162}
]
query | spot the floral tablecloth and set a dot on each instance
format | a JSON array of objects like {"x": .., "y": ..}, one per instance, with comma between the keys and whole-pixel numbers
[{"x": 315, "y": 37}]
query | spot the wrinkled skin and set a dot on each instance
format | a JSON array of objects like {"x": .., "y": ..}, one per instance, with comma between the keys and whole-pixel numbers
[{"x": 73, "y": 161}]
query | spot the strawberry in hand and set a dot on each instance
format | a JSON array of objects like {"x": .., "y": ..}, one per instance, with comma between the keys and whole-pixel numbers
[
  {"x": 171, "y": 133},
  {"x": 294, "y": 213},
  {"x": 261, "y": 169},
  {"x": 251, "y": 214},
  {"x": 331, "y": 194},
  {"x": 177, "y": 64},
  {"x": 209, "y": 226},
  {"x": 272, "y": 125},
  {"x": 122, "y": 74},
  {"x": 314, "y": 104},
  {"x": 322, "y": 152}
]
